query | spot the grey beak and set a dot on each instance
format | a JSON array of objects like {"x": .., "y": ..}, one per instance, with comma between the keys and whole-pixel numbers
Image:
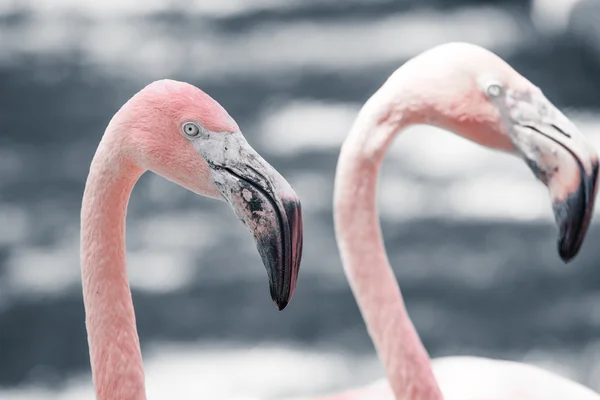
[
  {"x": 565, "y": 161},
  {"x": 268, "y": 206}
]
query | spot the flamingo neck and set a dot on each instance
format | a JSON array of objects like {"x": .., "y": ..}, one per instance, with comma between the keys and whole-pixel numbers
[
  {"x": 115, "y": 353},
  {"x": 363, "y": 253}
]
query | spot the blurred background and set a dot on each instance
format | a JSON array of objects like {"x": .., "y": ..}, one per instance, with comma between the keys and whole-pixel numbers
[{"x": 469, "y": 232}]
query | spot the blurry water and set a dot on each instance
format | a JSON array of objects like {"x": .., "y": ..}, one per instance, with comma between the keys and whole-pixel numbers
[{"x": 469, "y": 231}]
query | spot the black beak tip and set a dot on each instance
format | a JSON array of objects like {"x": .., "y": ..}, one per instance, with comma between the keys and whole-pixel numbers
[
  {"x": 281, "y": 304},
  {"x": 574, "y": 214},
  {"x": 280, "y": 295},
  {"x": 281, "y": 251},
  {"x": 570, "y": 217},
  {"x": 281, "y": 300},
  {"x": 293, "y": 255},
  {"x": 566, "y": 252}
]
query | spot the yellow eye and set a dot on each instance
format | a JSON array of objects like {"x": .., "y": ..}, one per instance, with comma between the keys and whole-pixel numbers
[{"x": 190, "y": 129}]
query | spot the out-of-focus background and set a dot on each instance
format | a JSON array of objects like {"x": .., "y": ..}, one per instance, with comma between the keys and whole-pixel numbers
[{"x": 470, "y": 232}]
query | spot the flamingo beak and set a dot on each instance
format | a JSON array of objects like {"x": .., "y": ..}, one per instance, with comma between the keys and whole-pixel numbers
[
  {"x": 266, "y": 204},
  {"x": 565, "y": 161}
]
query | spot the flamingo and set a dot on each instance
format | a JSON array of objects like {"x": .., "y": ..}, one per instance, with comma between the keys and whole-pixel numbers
[
  {"x": 179, "y": 132},
  {"x": 471, "y": 91}
]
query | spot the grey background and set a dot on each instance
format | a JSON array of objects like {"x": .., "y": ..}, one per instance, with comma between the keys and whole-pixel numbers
[{"x": 468, "y": 231}]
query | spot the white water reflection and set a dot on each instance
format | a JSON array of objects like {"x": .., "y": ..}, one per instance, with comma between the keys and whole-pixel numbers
[
  {"x": 118, "y": 46},
  {"x": 226, "y": 371},
  {"x": 128, "y": 8},
  {"x": 551, "y": 16}
]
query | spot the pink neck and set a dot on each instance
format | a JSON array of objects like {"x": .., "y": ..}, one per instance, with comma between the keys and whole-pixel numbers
[
  {"x": 363, "y": 253},
  {"x": 115, "y": 353}
]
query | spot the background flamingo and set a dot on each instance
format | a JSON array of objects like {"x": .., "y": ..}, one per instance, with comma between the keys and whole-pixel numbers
[
  {"x": 179, "y": 132},
  {"x": 470, "y": 91}
]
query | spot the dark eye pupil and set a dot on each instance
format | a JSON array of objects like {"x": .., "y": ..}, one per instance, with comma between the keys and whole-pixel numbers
[{"x": 190, "y": 129}]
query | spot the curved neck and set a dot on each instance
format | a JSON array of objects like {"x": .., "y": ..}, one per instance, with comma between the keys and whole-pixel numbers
[
  {"x": 115, "y": 353},
  {"x": 363, "y": 253}
]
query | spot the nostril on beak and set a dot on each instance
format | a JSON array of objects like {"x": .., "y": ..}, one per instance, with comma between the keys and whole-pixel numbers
[{"x": 561, "y": 130}]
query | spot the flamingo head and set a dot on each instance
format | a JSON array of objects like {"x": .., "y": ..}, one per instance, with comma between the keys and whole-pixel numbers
[
  {"x": 476, "y": 94},
  {"x": 184, "y": 135}
]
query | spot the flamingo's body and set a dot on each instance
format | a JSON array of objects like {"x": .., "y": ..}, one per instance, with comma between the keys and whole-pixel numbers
[
  {"x": 472, "y": 92},
  {"x": 179, "y": 132},
  {"x": 477, "y": 378}
]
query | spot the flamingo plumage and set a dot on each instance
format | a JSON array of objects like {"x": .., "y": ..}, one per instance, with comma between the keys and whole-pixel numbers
[
  {"x": 177, "y": 131},
  {"x": 472, "y": 92}
]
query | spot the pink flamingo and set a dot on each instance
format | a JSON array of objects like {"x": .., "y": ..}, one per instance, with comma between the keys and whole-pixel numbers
[
  {"x": 471, "y": 91},
  {"x": 181, "y": 133}
]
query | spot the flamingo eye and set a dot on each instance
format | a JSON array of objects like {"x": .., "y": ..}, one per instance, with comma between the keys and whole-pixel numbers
[
  {"x": 494, "y": 90},
  {"x": 190, "y": 129}
]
